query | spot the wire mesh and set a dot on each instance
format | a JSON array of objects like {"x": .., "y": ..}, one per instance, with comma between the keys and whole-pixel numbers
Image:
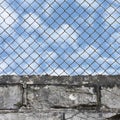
[{"x": 60, "y": 37}]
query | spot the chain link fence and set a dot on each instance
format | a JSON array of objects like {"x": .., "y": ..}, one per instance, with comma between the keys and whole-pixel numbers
[{"x": 59, "y": 37}]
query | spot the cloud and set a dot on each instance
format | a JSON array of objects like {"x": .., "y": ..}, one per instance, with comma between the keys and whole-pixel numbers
[
  {"x": 21, "y": 45},
  {"x": 29, "y": 67},
  {"x": 102, "y": 65},
  {"x": 3, "y": 66},
  {"x": 114, "y": 1},
  {"x": 31, "y": 22},
  {"x": 64, "y": 36},
  {"x": 90, "y": 51},
  {"x": 81, "y": 61},
  {"x": 103, "y": 61},
  {"x": 108, "y": 71},
  {"x": 115, "y": 38},
  {"x": 81, "y": 70},
  {"x": 112, "y": 17},
  {"x": 7, "y": 19},
  {"x": 21, "y": 64},
  {"x": 28, "y": 1},
  {"x": 107, "y": 65},
  {"x": 56, "y": 72},
  {"x": 49, "y": 6},
  {"x": 56, "y": 47},
  {"x": 22, "y": 57},
  {"x": 88, "y": 3},
  {"x": 90, "y": 61},
  {"x": 26, "y": 57},
  {"x": 85, "y": 53},
  {"x": 49, "y": 56}
]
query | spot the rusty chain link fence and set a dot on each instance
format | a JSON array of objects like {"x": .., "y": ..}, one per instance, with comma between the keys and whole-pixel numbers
[{"x": 60, "y": 37}]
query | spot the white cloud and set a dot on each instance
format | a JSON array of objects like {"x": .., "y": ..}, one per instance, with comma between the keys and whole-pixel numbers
[
  {"x": 108, "y": 71},
  {"x": 11, "y": 73},
  {"x": 80, "y": 60},
  {"x": 32, "y": 22},
  {"x": 28, "y": 44},
  {"x": 56, "y": 72},
  {"x": 90, "y": 19},
  {"x": 6, "y": 65},
  {"x": 87, "y": 52},
  {"x": 49, "y": 6},
  {"x": 29, "y": 1},
  {"x": 107, "y": 65},
  {"x": 112, "y": 17},
  {"x": 49, "y": 56},
  {"x": 81, "y": 70},
  {"x": 21, "y": 45},
  {"x": 105, "y": 60},
  {"x": 26, "y": 3},
  {"x": 1, "y": 1},
  {"x": 66, "y": 35},
  {"x": 24, "y": 64},
  {"x": 22, "y": 56},
  {"x": 116, "y": 36},
  {"x": 88, "y": 3},
  {"x": 3, "y": 66},
  {"x": 29, "y": 68},
  {"x": 7, "y": 19},
  {"x": 115, "y": 1}
]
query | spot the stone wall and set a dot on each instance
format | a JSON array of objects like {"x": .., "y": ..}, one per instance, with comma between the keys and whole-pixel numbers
[{"x": 60, "y": 97}]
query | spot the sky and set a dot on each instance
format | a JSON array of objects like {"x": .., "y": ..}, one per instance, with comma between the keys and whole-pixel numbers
[{"x": 59, "y": 37}]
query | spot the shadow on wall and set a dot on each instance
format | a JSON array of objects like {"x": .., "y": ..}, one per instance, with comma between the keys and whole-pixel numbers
[{"x": 115, "y": 117}]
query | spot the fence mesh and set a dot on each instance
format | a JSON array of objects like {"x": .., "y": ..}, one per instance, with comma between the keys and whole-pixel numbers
[{"x": 60, "y": 37}]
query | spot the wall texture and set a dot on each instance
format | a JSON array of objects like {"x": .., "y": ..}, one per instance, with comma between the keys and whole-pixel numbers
[{"x": 59, "y": 97}]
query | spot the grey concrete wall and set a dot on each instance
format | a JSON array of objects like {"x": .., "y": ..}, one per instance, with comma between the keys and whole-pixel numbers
[{"x": 60, "y": 98}]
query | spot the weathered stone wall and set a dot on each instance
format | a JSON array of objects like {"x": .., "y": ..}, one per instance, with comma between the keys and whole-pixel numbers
[{"x": 60, "y": 98}]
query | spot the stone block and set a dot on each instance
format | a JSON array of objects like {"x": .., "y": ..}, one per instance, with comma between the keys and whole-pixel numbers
[
  {"x": 88, "y": 116},
  {"x": 31, "y": 116},
  {"x": 10, "y": 96},
  {"x": 49, "y": 96},
  {"x": 58, "y": 115},
  {"x": 110, "y": 97}
]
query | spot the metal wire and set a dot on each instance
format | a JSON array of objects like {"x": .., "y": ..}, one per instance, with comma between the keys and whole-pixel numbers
[{"x": 59, "y": 37}]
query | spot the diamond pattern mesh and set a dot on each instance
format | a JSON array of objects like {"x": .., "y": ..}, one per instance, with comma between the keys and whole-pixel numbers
[{"x": 59, "y": 37}]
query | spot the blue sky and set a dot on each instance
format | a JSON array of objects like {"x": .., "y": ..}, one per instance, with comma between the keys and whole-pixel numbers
[{"x": 60, "y": 37}]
